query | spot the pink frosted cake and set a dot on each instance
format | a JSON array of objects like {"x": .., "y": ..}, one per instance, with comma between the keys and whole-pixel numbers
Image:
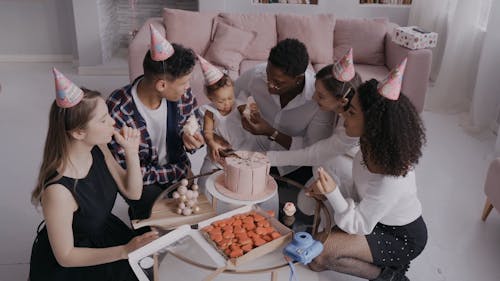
[{"x": 247, "y": 177}]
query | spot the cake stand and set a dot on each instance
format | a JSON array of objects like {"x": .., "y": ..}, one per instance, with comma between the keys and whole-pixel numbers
[{"x": 223, "y": 203}]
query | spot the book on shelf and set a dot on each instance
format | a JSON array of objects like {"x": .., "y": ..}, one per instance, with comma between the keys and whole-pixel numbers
[{"x": 391, "y": 2}]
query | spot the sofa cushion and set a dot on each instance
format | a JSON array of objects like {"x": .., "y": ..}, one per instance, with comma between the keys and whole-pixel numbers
[
  {"x": 315, "y": 31},
  {"x": 365, "y": 36},
  {"x": 228, "y": 46},
  {"x": 179, "y": 23},
  {"x": 249, "y": 64},
  {"x": 264, "y": 25},
  {"x": 317, "y": 67},
  {"x": 367, "y": 72}
]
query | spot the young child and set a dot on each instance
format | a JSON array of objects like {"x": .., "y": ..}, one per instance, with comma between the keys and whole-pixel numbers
[
  {"x": 221, "y": 117},
  {"x": 222, "y": 122},
  {"x": 77, "y": 187},
  {"x": 380, "y": 233}
]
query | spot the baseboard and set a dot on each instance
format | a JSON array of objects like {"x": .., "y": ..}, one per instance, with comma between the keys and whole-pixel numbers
[{"x": 36, "y": 58}]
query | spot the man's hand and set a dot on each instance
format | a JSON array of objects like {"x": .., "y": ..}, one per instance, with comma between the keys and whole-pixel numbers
[
  {"x": 192, "y": 142},
  {"x": 257, "y": 125}
]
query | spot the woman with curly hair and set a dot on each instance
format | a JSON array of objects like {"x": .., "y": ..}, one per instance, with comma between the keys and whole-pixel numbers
[{"x": 382, "y": 230}]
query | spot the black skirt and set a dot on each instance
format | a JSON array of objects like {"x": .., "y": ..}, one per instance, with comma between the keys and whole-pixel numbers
[
  {"x": 397, "y": 245},
  {"x": 44, "y": 266}
]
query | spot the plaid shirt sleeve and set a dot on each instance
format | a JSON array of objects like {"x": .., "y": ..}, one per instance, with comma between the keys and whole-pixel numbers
[
  {"x": 188, "y": 106},
  {"x": 167, "y": 173}
]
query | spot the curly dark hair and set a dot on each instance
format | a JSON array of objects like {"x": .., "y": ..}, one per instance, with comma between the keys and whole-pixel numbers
[
  {"x": 224, "y": 81},
  {"x": 179, "y": 64},
  {"x": 290, "y": 55},
  {"x": 338, "y": 88},
  {"x": 393, "y": 133}
]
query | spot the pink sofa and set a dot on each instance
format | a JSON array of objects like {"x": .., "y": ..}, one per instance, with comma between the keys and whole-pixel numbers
[{"x": 237, "y": 42}]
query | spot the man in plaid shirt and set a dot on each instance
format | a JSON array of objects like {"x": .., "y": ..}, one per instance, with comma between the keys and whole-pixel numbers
[{"x": 158, "y": 103}]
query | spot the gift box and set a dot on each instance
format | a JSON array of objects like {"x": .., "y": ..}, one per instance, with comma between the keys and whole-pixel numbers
[{"x": 413, "y": 37}]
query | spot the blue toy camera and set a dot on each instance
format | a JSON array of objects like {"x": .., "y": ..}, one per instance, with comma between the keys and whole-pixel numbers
[{"x": 303, "y": 248}]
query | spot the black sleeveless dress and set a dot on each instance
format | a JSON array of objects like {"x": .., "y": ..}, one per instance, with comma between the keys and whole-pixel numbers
[{"x": 94, "y": 226}]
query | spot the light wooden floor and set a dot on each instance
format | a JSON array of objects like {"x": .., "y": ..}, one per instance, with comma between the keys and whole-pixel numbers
[{"x": 461, "y": 247}]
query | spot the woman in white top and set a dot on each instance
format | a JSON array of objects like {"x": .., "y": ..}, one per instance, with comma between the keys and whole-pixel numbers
[{"x": 377, "y": 237}]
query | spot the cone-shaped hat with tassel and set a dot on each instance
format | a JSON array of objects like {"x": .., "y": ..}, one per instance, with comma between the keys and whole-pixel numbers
[
  {"x": 211, "y": 73},
  {"x": 343, "y": 70},
  {"x": 160, "y": 48},
  {"x": 390, "y": 87},
  {"x": 67, "y": 93}
]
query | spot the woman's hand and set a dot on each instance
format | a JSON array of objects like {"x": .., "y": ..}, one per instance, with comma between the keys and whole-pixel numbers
[
  {"x": 324, "y": 184},
  {"x": 138, "y": 242},
  {"x": 128, "y": 138}
]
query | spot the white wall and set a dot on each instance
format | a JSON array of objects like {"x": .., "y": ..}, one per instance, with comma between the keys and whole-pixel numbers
[
  {"x": 341, "y": 8},
  {"x": 36, "y": 27},
  {"x": 87, "y": 32},
  {"x": 486, "y": 98}
]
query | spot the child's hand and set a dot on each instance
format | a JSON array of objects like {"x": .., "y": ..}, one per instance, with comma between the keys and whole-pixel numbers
[
  {"x": 324, "y": 184},
  {"x": 214, "y": 150},
  {"x": 128, "y": 138}
]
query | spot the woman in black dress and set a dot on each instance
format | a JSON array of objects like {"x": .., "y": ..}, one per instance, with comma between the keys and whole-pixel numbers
[{"x": 77, "y": 187}]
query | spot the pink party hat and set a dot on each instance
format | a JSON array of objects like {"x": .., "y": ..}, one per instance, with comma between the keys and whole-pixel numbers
[
  {"x": 161, "y": 49},
  {"x": 67, "y": 93},
  {"x": 212, "y": 74},
  {"x": 390, "y": 87},
  {"x": 343, "y": 70}
]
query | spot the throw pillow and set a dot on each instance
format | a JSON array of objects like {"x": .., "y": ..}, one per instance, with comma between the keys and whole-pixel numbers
[
  {"x": 190, "y": 29},
  {"x": 315, "y": 31},
  {"x": 365, "y": 36},
  {"x": 228, "y": 46},
  {"x": 264, "y": 25}
]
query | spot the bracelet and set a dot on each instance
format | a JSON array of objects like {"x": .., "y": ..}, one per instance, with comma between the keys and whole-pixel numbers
[{"x": 274, "y": 135}]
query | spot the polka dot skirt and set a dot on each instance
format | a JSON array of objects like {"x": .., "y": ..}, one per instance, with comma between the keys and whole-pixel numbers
[{"x": 397, "y": 245}]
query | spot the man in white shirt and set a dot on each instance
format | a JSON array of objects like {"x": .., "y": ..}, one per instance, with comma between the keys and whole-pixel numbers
[
  {"x": 158, "y": 103},
  {"x": 286, "y": 117}
]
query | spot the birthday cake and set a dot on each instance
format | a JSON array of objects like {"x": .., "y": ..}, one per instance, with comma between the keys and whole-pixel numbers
[{"x": 246, "y": 176}]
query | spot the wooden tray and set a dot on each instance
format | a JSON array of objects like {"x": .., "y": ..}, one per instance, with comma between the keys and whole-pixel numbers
[
  {"x": 164, "y": 215},
  {"x": 164, "y": 211}
]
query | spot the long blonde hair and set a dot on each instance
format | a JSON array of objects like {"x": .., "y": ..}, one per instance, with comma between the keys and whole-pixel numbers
[{"x": 62, "y": 121}]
